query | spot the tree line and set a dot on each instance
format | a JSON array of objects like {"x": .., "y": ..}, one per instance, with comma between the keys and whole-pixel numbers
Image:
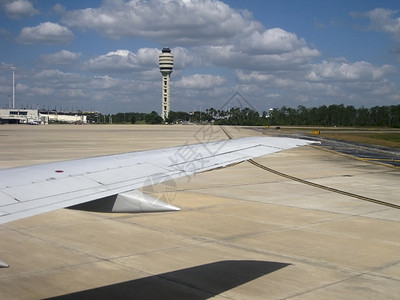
[
  {"x": 332, "y": 115},
  {"x": 337, "y": 115},
  {"x": 125, "y": 118}
]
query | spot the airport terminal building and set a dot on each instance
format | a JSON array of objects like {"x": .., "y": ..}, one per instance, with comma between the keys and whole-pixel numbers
[
  {"x": 25, "y": 116},
  {"x": 37, "y": 117}
]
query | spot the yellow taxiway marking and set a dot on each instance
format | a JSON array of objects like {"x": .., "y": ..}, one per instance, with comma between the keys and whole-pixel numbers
[{"x": 379, "y": 159}]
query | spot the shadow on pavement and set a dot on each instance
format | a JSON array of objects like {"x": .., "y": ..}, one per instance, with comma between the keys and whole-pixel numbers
[{"x": 195, "y": 283}]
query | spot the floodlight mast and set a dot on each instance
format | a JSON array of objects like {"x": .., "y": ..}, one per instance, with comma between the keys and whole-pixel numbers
[
  {"x": 166, "y": 63},
  {"x": 13, "y": 87}
]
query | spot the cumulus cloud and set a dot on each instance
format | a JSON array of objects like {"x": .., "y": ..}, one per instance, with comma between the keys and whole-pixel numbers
[
  {"x": 81, "y": 90},
  {"x": 253, "y": 77},
  {"x": 54, "y": 75},
  {"x": 184, "y": 57},
  {"x": 268, "y": 49},
  {"x": 382, "y": 20},
  {"x": 200, "y": 81},
  {"x": 144, "y": 60},
  {"x": 271, "y": 67},
  {"x": 345, "y": 71},
  {"x": 20, "y": 8},
  {"x": 268, "y": 81},
  {"x": 125, "y": 61},
  {"x": 324, "y": 83},
  {"x": 215, "y": 33},
  {"x": 198, "y": 21},
  {"x": 45, "y": 33},
  {"x": 63, "y": 57},
  {"x": 271, "y": 41},
  {"x": 232, "y": 57},
  {"x": 59, "y": 9}
]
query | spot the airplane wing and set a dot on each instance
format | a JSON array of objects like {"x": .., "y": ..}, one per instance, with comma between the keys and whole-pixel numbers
[{"x": 113, "y": 180}]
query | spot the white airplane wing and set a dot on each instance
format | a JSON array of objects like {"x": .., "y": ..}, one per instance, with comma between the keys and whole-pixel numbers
[{"x": 113, "y": 180}]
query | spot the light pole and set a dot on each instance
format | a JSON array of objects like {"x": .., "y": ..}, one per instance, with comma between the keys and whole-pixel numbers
[{"x": 13, "y": 88}]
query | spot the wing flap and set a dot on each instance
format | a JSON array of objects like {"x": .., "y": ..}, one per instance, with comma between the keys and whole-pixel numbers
[
  {"x": 50, "y": 188},
  {"x": 125, "y": 174}
]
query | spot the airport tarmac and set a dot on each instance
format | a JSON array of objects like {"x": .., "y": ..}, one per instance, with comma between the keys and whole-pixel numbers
[{"x": 242, "y": 233}]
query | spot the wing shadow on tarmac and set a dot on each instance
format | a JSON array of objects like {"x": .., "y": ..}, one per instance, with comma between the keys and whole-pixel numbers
[{"x": 196, "y": 283}]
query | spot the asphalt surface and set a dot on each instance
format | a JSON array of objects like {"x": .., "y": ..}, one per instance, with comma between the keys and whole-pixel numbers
[
  {"x": 365, "y": 152},
  {"x": 369, "y": 153}
]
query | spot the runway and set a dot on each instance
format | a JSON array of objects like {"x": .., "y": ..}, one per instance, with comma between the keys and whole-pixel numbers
[{"x": 242, "y": 233}]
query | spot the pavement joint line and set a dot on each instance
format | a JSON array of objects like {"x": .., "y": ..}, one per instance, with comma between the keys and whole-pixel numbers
[
  {"x": 320, "y": 186},
  {"x": 371, "y": 272},
  {"x": 190, "y": 286},
  {"x": 292, "y": 258},
  {"x": 322, "y": 268},
  {"x": 199, "y": 239},
  {"x": 226, "y": 242},
  {"x": 306, "y": 225},
  {"x": 360, "y": 197},
  {"x": 296, "y": 207},
  {"x": 324, "y": 286},
  {"x": 319, "y": 263},
  {"x": 25, "y": 232},
  {"x": 305, "y": 228}
]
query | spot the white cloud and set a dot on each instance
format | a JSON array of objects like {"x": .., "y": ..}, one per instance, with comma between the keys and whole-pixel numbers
[
  {"x": 200, "y": 81},
  {"x": 170, "y": 22},
  {"x": 78, "y": 89},
  {"x": 115, "y": 61},
  {"x": 125, "y": 61},
  {"x": 59, "y": 9},
  {"x": 63, "y": 57},
  {"x": 329, "y": 82},
  {"x": 58, "y": 77},
  {"x": 45, "y": 33},
  {"x": 344, "y": 71},
  {"x": 253, "y": 77},
  {"x": 271, "y": 41},
  {"x": 382, "y": 20},
  {"x": 19, "y": 8},
  {"x": 232, "y": 57},
  {"x": 184, "y": 57},
  {"x": 225, "y": 49},
  {"x": 103, "y": 82},
  {"x": 216, "y": 34},
  {"x": 144, "y": 60}
]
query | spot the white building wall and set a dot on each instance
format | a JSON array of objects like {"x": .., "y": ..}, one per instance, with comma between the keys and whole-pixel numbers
[
  {"x": 66, "y": 118},
  {"x": 20, "y": 115}
]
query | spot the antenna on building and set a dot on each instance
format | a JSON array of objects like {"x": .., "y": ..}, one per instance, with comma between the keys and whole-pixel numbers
[{"x": 166, "y": 63}]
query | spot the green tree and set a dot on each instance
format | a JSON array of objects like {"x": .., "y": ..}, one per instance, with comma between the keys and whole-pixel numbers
[{"x": 153, "y": 118}]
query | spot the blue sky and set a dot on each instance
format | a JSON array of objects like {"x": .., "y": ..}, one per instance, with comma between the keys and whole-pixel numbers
[{"x": 103, "y": 55}]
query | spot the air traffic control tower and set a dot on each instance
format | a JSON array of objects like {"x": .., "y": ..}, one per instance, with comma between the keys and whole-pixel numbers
[{"x": 166, "y": 62}]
